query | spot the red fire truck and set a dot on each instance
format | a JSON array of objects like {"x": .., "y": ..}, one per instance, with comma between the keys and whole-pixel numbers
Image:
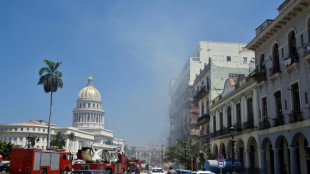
[
  {"x": 102, "y": 157},
  {"x": 39, "y": 161}
]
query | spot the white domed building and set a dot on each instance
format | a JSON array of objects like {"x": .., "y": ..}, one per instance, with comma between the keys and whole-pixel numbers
[{"x": 87, "y": 125}]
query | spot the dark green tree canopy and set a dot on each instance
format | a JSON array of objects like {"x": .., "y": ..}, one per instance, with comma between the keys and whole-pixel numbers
[
  {"x": 50, "y": 77},
  {"x": 58, "y": 140}
]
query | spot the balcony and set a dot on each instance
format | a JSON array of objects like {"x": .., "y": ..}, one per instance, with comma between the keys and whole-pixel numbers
[
  {"x": 275, "y": 72},
  {"x": 204, "y": 118},
  {"x": 212, "y": 134},
  {"x": 295, "y": 116},
  {"x": 306, "y": 50},
  {"x": 265, "y": 124},
  {"x": 291, "y": 63},
  {"x": 279, "y": 121},
  {"x": 202, "y": 92},
  {"x": 239, "y": 127},
  {"x": 248, "y": 124},
  {"x": 260, "y": 76}
]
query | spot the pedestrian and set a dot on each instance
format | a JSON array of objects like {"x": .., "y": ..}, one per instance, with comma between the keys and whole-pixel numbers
[
  {"x": 147, "y": 167},
  {"x": 171, "y": 170},
  {"x": 153, "y": 165}
]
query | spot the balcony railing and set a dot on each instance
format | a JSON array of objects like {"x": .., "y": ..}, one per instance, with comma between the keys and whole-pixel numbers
[
  {"x": 295, "y": 116},
  {"x": 279, "y": 121},
  {"x": 204, "y": 117},
  {"x": 275, "y": 69},
  {"x": 238, "y": 127},
  {"x": 248, "y": 124},
  {"x": 212, "y": 134},
  {"x": 260, "y": 75},
  {"x": 202, "y": 92}
]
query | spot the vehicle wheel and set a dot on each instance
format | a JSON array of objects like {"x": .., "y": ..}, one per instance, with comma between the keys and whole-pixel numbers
[
  {"x": 109, "y": 171},
  {"x": 43, "y": 171},
  {"x": 124, "y": 171},
  {"x": 66, "y": 171}
]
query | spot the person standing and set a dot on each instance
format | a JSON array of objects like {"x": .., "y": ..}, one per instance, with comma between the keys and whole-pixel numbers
[{"x": 171, "y": 170}]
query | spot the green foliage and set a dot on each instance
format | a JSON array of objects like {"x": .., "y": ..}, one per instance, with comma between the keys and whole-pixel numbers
[
  {"x": 58, "y": 141},
  {"x": 50, "y": 78},
  {"x": 176, "y": 154},
  {"x": 5, "y": 148},
  {"x": 33, "y": 140}
]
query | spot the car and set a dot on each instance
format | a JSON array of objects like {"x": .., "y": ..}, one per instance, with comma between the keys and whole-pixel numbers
[
  {"x": 202, "y": 172},
  {"x": 89, "y": 172},
  {"x": 157, "y": 170},
  {"x": 4, "y": 167}
]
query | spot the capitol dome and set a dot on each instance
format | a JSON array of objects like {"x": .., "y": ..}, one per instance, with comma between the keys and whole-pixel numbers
[
  {"x": 89, "y": 92},
  {"x": 88, "y": 113}
]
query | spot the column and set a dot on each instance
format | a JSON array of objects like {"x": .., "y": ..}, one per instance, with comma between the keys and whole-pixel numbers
[
  {"x": 293, "y": 160},
  {"x": 247, "y": 159},
  {"x": 262, "y": 160},
  {"x": 276, "y": 160}
]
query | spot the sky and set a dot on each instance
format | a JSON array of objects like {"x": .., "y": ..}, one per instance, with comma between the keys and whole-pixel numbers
[{"x": 131, "y": 48}]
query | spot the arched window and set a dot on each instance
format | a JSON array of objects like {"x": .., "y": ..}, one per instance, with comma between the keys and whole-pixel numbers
[
  {"x": 208, "y": 85},
  {"x": 261, "y": 62},
  {"x": 292, "y": 47},
  {"x": 275, "y": 59},
  {"x": 229, "y": 117}
]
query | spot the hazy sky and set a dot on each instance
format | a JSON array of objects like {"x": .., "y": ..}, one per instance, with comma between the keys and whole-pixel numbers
[{"x": 131, "y": 48}]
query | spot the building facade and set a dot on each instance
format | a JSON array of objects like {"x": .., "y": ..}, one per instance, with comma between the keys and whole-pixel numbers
[
  {"x": 236, "y": 107},
  {"x": 282, "y": 56},
  {"x": 87, "y": 122},
  {"x": 184, "y": 111}
]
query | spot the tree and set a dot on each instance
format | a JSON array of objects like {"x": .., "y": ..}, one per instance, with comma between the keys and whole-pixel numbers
[
  {"x": 51, "y": 80},
  {"x": 33, "y": 140},
  {"x": 71, "y": 138},
  {"x": 5, "y": 148},
  {"x": 59, "y": 141},
  {"x": 176, "y": 154}
]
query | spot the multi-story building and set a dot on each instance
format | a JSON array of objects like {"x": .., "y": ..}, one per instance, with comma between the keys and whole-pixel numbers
[
  {"x": 236, "y": 107},
  {"x": 282, "y": 56},
  {"x": 151, "y": 154},
  {"x": 183, "y": 109}
]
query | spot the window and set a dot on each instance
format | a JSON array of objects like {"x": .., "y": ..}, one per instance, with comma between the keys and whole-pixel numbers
[
  {"x": 250, "y": 112},
  {"x": 15, "y": 129},
  {"x": 292, "y": 47},
  {"x": 22, "y": 129},
  {"x": 275, "y": 59},
  {"x": 228, "y": 58},
  {"x": 295, "y": 95},
  {"x": 33, "y": 129},
  {"x": 214, "y": 124},
  {"x": 221, "y": 120},
  {"x": 245, "y": 60},
  {"x": 229, "y": 117},
  {"x": 88, "y": 105},
  {"x": 278, "y": 104},
  {"x": 264, "y": 107},
  {"x": 93, "y": 105}
]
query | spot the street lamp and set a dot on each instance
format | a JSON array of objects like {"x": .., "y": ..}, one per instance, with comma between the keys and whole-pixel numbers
[{"x": 233, "y": 165}]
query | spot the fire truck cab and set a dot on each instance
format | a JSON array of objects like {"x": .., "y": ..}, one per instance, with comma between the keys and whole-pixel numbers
[{"x": 39, "y": 161}]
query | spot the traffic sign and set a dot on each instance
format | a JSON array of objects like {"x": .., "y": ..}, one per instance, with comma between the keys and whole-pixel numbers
[
  {"x": 220, "y": 157},
  {"x": 221, "y": 164}
]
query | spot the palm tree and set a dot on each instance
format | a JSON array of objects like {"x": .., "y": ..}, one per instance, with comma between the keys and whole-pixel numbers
[
  {"x": 51, "y": 80},
  {"x": 33, "y": 140},
  {"x": 59, "y": 141},
  {"x": 71, "y": 138}
]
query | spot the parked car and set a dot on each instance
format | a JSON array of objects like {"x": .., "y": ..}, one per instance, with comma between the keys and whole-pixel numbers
[
  {"x": 157, "y": 170},
  {"x": 4, "y": 167},
  {"x": 89, "y": 172},
  {"x": 202, "y": 172}
]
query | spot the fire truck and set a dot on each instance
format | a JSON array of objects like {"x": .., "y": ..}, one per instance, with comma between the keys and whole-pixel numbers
[
  {"x": 39, "y": 161},
  {"x": 102, "y": 157}
]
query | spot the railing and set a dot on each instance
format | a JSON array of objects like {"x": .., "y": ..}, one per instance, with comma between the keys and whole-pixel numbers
[
  {"x": 278, "y": 121},
  {"x": 248, "y": 124},
  {"x": 264, "y": 125},
  {"x": 212, "y": 134},
  {"x": 306, "y": 49},
  {"x": 202, "y": 92},
  {"x": 204, "y": 117},
  {"x": 238, "y": 127},
  {"x": 274, "y": 69},
  {"x": 260, "y": 75},
  {"x": 295, "y": 116}
]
